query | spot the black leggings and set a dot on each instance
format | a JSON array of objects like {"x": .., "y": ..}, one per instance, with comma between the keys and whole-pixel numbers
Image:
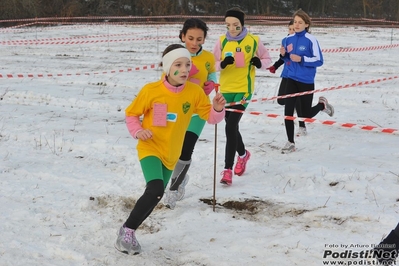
[
  {"x": 308, "y": 111},
  {"x": 234, "y": 141},
  {"x": 281, "y": 101},
  {"x": 146, "y": 203},
  {"x": 188, "y": 146}
]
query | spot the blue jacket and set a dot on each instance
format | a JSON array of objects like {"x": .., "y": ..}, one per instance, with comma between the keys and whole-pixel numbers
[{"x": 306, "y": 46}]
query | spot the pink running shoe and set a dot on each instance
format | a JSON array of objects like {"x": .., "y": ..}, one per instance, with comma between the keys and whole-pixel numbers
[
  {"x": 227, "y": 178},
  {"x": 239, "y": 169}
]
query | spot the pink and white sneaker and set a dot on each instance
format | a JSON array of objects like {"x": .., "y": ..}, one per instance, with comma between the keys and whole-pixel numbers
[
  {"x": 227, "y": 178},
  {"x": 239, "y": 169},
  {"x": 127, "y": 242}
]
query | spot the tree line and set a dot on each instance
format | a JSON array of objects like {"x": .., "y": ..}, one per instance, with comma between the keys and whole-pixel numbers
[{"x": 374, "y": 9}]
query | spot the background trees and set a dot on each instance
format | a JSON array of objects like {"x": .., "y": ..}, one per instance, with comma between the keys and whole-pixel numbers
[{"x": 375, "y": 9}]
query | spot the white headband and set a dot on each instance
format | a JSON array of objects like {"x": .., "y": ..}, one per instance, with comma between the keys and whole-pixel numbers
[{"x": 170, "y": 57}]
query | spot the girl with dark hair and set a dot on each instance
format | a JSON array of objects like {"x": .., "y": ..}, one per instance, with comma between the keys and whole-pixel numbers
[
  {"x": 237, "y": 54},
  {"x": 203, "y": 73}
]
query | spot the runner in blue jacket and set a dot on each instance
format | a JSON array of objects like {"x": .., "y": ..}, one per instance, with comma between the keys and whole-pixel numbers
[
  {"x": 302, "y": 55},
  {"x": 281, "y": 91}
]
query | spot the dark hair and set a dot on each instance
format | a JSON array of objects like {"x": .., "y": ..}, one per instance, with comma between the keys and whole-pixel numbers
[
  {"x": 193, "y": 23},
  {"x": 291, "y": 22}
]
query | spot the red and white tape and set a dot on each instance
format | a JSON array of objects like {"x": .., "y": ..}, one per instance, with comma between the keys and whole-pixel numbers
[
  {"x": 49, "y": 75},
  {"x": 361, "y": 83},
  {"x": 68, "y": 42},
  {"x": 66, "y": 39},
  {"x": 71, "y": 25},
  {"x": 323, "y": 122},
  {"x": 360, "y": 49}
]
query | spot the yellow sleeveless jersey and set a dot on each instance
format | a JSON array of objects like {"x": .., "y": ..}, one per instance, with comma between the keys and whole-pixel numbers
[{"x": 235, "y": 79}]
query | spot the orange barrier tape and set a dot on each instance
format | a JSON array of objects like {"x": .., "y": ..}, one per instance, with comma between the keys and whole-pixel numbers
[
  {"x": 361, "y": 83},
  {"x": 323, "y": 122},
  {"x": 49, "y": 75}
]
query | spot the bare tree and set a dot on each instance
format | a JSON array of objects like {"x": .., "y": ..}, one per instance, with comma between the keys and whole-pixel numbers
[
  {"x": 397, "y": 10},
  {"x": 13, "y": 9}
]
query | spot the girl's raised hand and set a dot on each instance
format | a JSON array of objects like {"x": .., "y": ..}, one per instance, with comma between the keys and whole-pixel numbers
[{"x": 218, "y": 102}]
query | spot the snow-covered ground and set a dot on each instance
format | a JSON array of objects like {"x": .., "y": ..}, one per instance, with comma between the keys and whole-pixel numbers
[{"x": 69, "y": 173}]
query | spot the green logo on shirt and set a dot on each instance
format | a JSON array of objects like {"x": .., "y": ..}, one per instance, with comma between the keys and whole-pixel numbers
[
  {"x": 207, "y": 66},
  {"x": 248, "y": 48},
  {"x": 186, "y": 107}
]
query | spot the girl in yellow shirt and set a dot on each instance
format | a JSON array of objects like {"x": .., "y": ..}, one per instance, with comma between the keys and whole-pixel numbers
[
  {"x": 203, "y": 73},
  {"x": 237, "y": 53},
  {"x": 166, "y": 107}
]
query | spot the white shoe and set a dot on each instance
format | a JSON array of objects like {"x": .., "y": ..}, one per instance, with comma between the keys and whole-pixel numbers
[
  {"x": 328, "y": 108},
  {"x": 301, "y": 132},
  {"x": 182, "y": 188},
  {"x": 288, "y": 148},
  {"x": 171, "y": 196},
  {"x": 127, "y": 241}
]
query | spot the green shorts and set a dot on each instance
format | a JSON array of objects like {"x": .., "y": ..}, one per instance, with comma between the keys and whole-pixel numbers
[
  {"x": 236, "y": 97},
  {"x": 154, "y": 169}
]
